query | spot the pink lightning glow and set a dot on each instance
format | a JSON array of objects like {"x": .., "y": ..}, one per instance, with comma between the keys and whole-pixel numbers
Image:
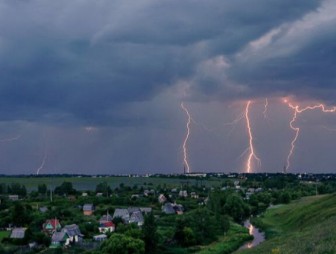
[
  {"x": 185, "y": 149},
  {"x": 298, "y": 110},
  {"x": 252, "y": 154}
]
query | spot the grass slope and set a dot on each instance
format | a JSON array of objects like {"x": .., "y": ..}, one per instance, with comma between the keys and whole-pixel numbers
[{"x": 304, "y": 226}]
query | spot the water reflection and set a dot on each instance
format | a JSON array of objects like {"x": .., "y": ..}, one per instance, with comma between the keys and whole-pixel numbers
[{"x": 258, "y": 236}]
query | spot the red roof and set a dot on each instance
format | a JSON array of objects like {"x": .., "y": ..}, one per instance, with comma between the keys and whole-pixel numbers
[
  {"x": 53, "y": 222},
  {"x": 107, "y": 224}
]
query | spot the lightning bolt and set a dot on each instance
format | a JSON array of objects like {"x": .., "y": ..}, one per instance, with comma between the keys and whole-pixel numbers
[
  {"x": 252, "y": 154},
  {"x": 265, "y": 108},
  {"x": 298, "y": 110},
  {"x": 10, "y": 139},
  {"x": 185, "y": 149},
  {"x": 42, "y": 164}
]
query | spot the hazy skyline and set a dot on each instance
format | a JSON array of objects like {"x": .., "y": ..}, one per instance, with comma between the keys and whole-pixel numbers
[{"x": 96, "y": 86}]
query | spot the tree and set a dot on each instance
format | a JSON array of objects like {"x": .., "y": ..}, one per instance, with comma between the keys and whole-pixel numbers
[
  {"x": 150, "y": 235},
  {"x": 42, "y": 189},
  {"x": 104, "y": 188},
  {"x": 122, "y": 244},
  {"x": 236, "y": 208},
  {"x": 65, "y": 189}
]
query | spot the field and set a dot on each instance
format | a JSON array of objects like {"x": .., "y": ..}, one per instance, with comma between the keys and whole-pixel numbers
[
  {"x": 90, "y": 183},
  {"x": 304, "y": 226}
]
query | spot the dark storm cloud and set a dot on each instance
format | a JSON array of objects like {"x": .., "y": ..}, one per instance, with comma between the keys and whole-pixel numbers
[{"x": 85, "y": 60}]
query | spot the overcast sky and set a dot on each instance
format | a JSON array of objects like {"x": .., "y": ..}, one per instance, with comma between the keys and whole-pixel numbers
[{"x": 96, "y": 86}]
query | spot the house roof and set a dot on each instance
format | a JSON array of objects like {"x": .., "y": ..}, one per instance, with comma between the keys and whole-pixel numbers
[
  {"x": 72, "y": 230},
  {"x": 107, "y": 224},
  {"x": 88, "y": 207},
  {"x": 59, "y": 236},
  {"x": 18, "y": 233},
  {"x": 136, "y": 217},
  {"x": 53, "y": 222},
  {"x": 122, "y": 213},
  {"x": 168, "y": 208},
  {"x": 105, "y": 218}
]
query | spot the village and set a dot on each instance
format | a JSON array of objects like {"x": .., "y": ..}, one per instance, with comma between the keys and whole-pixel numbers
[{"x": 64, "y": 219}]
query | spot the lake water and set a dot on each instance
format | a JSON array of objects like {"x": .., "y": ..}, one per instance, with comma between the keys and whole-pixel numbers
[{"x": 259, "y": 236}]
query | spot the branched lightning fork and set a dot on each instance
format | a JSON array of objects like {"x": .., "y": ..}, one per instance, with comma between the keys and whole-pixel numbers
[{"x": 298, "y": 110}]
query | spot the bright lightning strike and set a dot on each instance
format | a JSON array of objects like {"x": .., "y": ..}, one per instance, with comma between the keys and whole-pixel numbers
[
  {"x": 252, "y": 154},
  {"x": 185, "y": 148},
  {"x": 298, "y": 110}
]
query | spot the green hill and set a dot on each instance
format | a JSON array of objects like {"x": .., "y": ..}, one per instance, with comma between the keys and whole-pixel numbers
[{"x": 307, "y": 226}]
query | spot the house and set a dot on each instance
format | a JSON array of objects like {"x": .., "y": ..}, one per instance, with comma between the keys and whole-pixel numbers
[
  {"x": 73, "y": 232},
  {"x": 183, "y": 194},
  {"x": 137, "y": 218},
  {"x": 51, "y": 226},
  {"x": 105, "y": 218},
  {"x": 146, "y": 210},
  {"x": 13, "y": 197},
  {"x": 130, "y": 215},
  {"x": 169, "y": 208},
  {"x": 59, "y": 239},
  {"x": 99, "y": 194},
  {"x": 18, "y": 233},
  {"x": 162, "y": 199},
  {"x": 43, "y": 209},
  {"x": 88, "y": 209},
  {"x": 107, "y": 226},
  {"x": 194, "y": 195},
  {"x": 84, "y": 194},
  {"x": 121, "y": 213},
  {"x": 100, "y": 238}
]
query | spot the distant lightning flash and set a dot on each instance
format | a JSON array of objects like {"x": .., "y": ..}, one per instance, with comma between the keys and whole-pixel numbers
[
  {"x": 266, "y": 108},
  {"x": 42, "y": 164},
  {"x": 10, "y": 139},
  {"x": 298, "y": 110},
  {"x": 252, "y": 154},
  {"x": 185, "y": 149}
]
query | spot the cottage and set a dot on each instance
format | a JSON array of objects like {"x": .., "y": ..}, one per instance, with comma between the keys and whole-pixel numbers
[
  {"x": 13, "y": 197},
  {"x": 183, "y": 193},
  {"x": 59, "y": 239},
  {"x": 137, "y": 218},
  {"x": 73, "y": 232},
  {"x": 100, "y": 238},
  {"x": 146, "y": 210},
  {"x": 168, "y": 208},
  {"x": 130, "y": 215},
  {"x": 88, "y": 209},
  {"x": 43, "y": 209},
  {"x": 107, "y": 226},
  {"x": 194, "y": 195},
  {"x": 50, "y": 226},
  {"x": 18, "y": 233},
  {"x": 105, "y": 218},
  {"x": 162, "y": 199}
]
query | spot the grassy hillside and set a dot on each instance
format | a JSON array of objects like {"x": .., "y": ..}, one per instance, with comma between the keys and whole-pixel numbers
[{"x": 304, "y": 226}]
